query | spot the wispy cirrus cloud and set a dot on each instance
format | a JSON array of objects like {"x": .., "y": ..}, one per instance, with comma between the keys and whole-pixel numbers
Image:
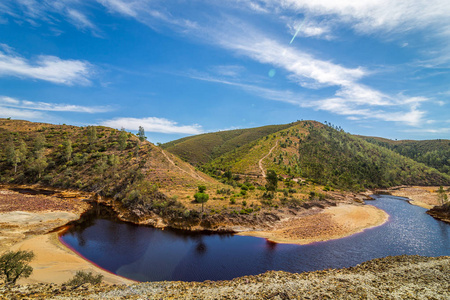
[
  {"x": 153, "y": 124},
  {"x": 42, "y": 111},
  {"x": 10, "y": 102},
  {"x": 371, "y": 16},
  {"x": 45, "y": 67},
  {"x": 150, "y": 13}
]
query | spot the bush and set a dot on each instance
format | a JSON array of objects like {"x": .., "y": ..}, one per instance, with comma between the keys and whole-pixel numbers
[
  {"x": 82, "y": 277},
  {"x": 14, "y": 264}
]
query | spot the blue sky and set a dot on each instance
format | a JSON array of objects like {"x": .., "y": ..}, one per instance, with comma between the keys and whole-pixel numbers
[{"x": 373, "y": 67}]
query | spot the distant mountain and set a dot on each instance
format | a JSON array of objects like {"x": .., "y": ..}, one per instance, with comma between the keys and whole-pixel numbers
[
  {"x": 433, "y": 153},
  {"x": 309, "y": 150}
]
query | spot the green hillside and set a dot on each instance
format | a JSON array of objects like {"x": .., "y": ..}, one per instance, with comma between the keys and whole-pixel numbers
[
  {"x": 323, "y": 154},
  {"x": 200, "y": 149},
  {"x": 433, "y": 153}
]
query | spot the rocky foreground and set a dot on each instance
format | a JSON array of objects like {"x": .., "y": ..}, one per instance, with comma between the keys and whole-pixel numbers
[{"x": 399, "y": 277}]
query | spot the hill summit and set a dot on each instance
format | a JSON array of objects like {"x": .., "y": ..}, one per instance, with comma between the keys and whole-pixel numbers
[{"x": 306, "y": 150}]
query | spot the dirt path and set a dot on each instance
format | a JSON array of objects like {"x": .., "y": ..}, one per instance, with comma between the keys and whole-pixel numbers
[
  {"x": 263, "y": 172},
  {"x": 193, "y": 174}
]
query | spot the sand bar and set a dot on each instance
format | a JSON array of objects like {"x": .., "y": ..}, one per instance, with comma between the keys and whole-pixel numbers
[{"x": 330, "y": 223}]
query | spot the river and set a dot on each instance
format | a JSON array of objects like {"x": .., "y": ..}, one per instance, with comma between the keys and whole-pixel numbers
[{"x": 147, "y": 254}]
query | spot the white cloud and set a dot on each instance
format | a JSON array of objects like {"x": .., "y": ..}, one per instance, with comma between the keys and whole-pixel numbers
[
  {"x": 46, "y": 67},
  {"x": 305, "y": 69},
  {"x": 80, "y": 20},
  {"x": 309, "y": 28},
  {"x": 147, "y": 12},
  {"x": 12, "y": 103},
  {"x": 6, "y": 112},
  {"x": 153, "y": 124},
  {"x": 126, "y": 8},
  {"x": 229, "y": 70},
  {"x": 369, "y": 16}
]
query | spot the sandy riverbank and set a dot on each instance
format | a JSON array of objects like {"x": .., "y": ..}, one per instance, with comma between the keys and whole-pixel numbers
[
  {"x": 331, "y": 223},
  {"x": 25, "y": 221},
  {"x": 423, "y": 196},
  {"x": 55, "y": 263}
]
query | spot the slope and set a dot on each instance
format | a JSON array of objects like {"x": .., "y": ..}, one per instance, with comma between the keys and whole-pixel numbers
[
  {"x": 106, "y": 161},
  {"x": 325, "y": 155},
  {"x": 200, "y": 149},
  {"x": 433, "y": 153}
]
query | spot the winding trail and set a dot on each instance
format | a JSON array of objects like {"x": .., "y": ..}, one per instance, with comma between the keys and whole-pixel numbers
[
  {"x": 261, "y": 160},
  {"x": 193, "y": 174}
]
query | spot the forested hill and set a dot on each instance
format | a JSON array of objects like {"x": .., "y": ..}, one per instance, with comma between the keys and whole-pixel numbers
[
  {"x": 433, "y": 153},
  {"x": 96, "y": 159},
  {"x": 320, "y": 153},
  {"x": 203, "y": 148}
]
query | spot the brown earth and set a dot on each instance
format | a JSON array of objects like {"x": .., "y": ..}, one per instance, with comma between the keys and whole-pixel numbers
[
  {"x": 424, "y": 196},
  {"x": 398, "y": 277},
  {"x": 320, "y": 225},
  {"x": 25, "y": 223}
]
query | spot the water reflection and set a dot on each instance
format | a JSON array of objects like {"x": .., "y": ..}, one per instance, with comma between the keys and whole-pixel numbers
[{"x": 144, "y": 253}]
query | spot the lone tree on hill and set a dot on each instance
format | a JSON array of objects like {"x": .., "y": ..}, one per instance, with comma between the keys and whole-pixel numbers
[
  {"x": 141, "y": 134},
  {"x": 122, "y": 140},
  {"x": 14, "y": 264},
  {"x": 272, "y": 181},
  {"x": 201, "y": 196}
]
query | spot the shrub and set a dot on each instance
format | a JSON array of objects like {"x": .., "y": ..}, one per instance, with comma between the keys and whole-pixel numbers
[
  {"x": 14, "y": 264},
  {"x": 82, "y": 277}
]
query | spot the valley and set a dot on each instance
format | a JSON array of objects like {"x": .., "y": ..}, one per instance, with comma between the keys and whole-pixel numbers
[{"x": 294, "y": 184}]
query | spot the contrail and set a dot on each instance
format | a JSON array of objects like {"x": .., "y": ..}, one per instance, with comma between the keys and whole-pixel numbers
[{"x": 298, "y": 30}]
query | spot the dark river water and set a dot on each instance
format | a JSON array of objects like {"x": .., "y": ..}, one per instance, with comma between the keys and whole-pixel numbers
[{"x": 147, "y": 254}]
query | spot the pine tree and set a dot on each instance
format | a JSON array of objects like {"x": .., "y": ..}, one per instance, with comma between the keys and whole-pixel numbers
[
  {"x": 67, "y": 150},
  {"x": 122, "y": 140},
  {"x": 141, "y": 134}
]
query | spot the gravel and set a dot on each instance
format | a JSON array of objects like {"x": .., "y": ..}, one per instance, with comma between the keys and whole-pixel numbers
[{"x": 397, "y": 277}]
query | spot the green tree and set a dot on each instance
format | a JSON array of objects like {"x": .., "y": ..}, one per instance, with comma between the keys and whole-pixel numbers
[
  {"x": 201, "y": 188},
  {"x": 442, "y": 195},
  {"x": 39, "y": 143},
  {"x": 122, "y": 140},
  {"x": 40, "y": 163},
  {"x": 14, "y": 264},
  {"x": 67, "y": 150},
  {"x": 91, "y": 133},
  {"x": 141, "y": 134},
  {"x": 201, "y": 196},
  {"x": 272, "y": 181},
  {"x": 82, "y": 277},
  {"x": 12, "y": 155},
  {"x": 23, "y": 151}
]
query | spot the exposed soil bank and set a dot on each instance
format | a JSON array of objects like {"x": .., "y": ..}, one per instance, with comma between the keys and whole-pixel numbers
[
  {"x": 25, "y": 223},
  {"x": 423, "y": 196},
  {"x": 331, "y": 223},
  {"x": 398, "y": 277}
]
